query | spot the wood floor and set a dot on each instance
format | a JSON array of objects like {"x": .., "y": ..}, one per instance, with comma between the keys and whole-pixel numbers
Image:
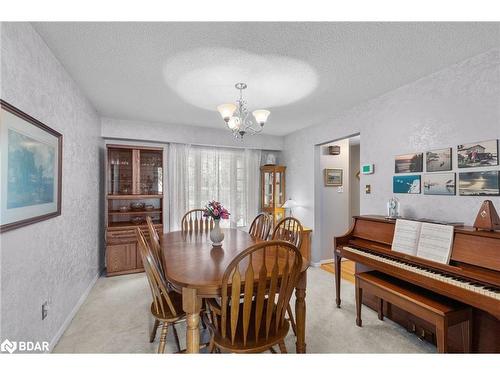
[{"x": 347, "y": 272}]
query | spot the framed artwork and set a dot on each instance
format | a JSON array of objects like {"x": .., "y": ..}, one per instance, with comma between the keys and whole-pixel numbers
[
  {"x": 409, "y": 163},
  {"x": 478, "y": 154},
  {"x": 31, "y": 158},
  {"x": 438, "y": 160},
  {"x": 485, "y": 183},
  {"x": 333, "y": 177},
  {"x": 439, "y": 184},
  {"x": 406, "y": 184}
]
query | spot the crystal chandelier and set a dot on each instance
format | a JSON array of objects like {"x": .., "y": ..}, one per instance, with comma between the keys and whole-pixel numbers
[{"x": 238, "y": 119}]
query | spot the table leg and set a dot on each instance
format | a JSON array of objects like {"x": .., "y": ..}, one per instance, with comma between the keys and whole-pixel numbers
[
  {"x": 300, "y": 312},
  {"x": 191, "y": 304},
  {"x": 338, "y": 262}
]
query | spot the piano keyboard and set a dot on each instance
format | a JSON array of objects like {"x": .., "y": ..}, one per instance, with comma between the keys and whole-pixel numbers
[{"x": 446, "y": 278}]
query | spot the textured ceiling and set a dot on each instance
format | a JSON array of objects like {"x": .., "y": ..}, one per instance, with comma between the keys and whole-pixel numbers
[{"x": 305, "y": 73}]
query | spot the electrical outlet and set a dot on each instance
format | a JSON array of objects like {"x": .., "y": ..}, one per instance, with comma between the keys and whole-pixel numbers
[{"x": 45, "y": 309}]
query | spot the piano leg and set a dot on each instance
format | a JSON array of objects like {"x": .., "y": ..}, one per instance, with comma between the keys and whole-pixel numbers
[
  {"x": 381, "y": 309},
  {"x": 359, "y": 302},
  {"x": 338, "y": 261}
]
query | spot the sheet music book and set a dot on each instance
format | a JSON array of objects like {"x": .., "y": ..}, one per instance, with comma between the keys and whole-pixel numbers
[
  {"x": 436, "y": 242},
  {"x": 406, "y": 236},
  {"x": 425, "y": 240}
]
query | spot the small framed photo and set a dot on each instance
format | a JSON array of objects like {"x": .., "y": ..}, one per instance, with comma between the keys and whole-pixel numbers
[
  {"x": 409, "y": 184},
  {"x": 333, "y": 177},
  {"x": 439, "y": 184},
  {"x": 438, "y": 160},
  {"x": 478, "y": 154},
  {"x": 479, "y": 184},
  {"x": 31, "y": 158},
  {"x": 409, "y": 163}
]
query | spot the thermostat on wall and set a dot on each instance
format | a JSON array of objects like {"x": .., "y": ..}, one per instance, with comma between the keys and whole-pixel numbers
[{"x": 367, "y": 169}]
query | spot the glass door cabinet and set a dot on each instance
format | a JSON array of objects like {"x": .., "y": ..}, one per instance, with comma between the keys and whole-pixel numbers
[{"x": 272, "y": 179}]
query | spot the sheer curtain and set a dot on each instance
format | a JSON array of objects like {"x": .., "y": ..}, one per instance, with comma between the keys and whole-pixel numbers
[{"x": 199, "y": 174}]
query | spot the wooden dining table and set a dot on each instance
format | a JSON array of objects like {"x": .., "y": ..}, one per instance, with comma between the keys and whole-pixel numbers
[{"x": 195, "y": 268}]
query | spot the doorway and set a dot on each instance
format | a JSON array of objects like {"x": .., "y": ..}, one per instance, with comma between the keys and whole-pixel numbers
[{"x": 335, "y": 203}]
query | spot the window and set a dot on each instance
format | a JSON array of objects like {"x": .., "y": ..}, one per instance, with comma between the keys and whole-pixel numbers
[{"x": 220, "y": 174}]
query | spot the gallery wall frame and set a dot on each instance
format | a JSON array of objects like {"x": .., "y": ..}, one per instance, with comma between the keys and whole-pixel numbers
[
  {"x": 333, "y": 176},
  {"x": 31, "y": 169}
]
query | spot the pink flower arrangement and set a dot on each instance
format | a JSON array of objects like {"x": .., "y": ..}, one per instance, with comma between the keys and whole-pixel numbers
[{"x": 215, "y": 210}]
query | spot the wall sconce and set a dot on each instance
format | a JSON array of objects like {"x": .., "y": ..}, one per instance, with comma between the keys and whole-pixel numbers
[{"x": 334, "y": 150}]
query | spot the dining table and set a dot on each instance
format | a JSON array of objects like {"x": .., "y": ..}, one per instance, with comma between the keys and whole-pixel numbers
[{"x": 195, "y": 268}]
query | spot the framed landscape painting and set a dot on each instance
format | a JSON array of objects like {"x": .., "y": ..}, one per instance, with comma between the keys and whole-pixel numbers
[
  {"x": 478, "y": 154},
  {"x": 409, "y": 163},
  {"x": 484, "y": 183},
  {"x": 406, "y": 184},
  {"x": 333, "y": 177},
  {"x": 439, "y": 184},
  {"x": 438, "y": 160},
  {"x": 31, "y": 157}
]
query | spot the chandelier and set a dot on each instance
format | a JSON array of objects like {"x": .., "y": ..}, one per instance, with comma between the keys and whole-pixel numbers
[{"x": 238, "y": 119}]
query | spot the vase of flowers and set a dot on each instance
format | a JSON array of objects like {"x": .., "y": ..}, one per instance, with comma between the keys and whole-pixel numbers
[{"x": 216, "y": 211}]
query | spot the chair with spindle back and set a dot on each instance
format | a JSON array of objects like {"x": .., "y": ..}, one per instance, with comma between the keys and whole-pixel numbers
[
  {"x": 256, "y": 288},
  {"x": 289, "y": 229},
  {"x": 261, "y": 226},
  {"x": 166, "y": 307},
  {"x": 193, "y": 221},
  {"x": 154, "y": 240}
]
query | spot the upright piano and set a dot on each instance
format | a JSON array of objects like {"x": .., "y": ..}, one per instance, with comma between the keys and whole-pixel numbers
[{"x": 471, "y": 277}]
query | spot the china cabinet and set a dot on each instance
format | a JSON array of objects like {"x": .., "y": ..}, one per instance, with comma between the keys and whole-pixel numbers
[
  {"x": 134, "y": 190},
  {"x": 272, "y": 179}
]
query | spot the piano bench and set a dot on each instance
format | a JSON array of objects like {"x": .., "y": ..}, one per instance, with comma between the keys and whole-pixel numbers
[{"x": 438, "y": 310}]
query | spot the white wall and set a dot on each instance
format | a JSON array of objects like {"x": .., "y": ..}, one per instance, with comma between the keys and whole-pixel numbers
[
  {"x": 332, "y": 204},
  {"x": 456, "y": 105},
  {"x": 57, "y": 259},
  {"x": 168, "y": 133}
]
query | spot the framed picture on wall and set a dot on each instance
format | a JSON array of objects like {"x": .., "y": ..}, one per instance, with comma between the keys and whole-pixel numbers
[
  {"x": 438, "y": 160},
  {"x": 333, "y": 177},
  {"x": 31, "y": 157},
  {"x": 478, "y": 154},
  {"x": 409, "y": 163},
  {"x": 409, "y": 184}
]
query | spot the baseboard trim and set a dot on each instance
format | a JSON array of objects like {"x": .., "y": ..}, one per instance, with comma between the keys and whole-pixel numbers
[
  {"x": 323, "y": 261},
  {"x": 73, "y": 312}
]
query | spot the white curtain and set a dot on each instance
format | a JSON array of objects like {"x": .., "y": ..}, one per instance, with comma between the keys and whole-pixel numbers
[{"x": 200, "y": 174}]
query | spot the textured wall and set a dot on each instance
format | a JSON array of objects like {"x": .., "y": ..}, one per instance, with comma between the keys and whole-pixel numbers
[
  {"x": 157, "y": 132},
  {"x": 456, "y": 105},
  {"x": 56, "y": 259},
  {"x": 332, "y": 206}
]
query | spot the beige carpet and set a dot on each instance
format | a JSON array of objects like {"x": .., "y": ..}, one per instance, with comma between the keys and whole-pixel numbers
[{"x": 115, "y": 319}]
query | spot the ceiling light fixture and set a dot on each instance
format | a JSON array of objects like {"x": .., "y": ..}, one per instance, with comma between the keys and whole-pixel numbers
[{"x": 238, "y": 119}]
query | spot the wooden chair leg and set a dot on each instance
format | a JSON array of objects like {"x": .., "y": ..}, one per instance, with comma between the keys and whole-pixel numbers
[
  {"x": 163, "y": 338},
  {"x": 152, "y": 336},
  {"x": 176, "y": 337},
  {"x": 282, "y": 347},
  {"x": 359, "y": 301},
  {"x": 292, "y": 319},
  {"x": 211, "y": 346},
  {"x": 381, "y": 309}
]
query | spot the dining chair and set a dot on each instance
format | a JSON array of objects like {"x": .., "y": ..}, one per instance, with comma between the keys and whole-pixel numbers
[
  {"x": 256, "y": 288},
  {"x": 261, "y": 226},
  {"x": 154, "y": 240},
  {"x": 289, "y": 229},
  {"x": 193, "y": 221},
  {"x": 166, "y": 307}
]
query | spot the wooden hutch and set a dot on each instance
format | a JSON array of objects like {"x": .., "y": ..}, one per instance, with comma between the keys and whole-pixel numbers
[
  {"x": 134, "y": 190},
  {"x": 272, "y": 180}
]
